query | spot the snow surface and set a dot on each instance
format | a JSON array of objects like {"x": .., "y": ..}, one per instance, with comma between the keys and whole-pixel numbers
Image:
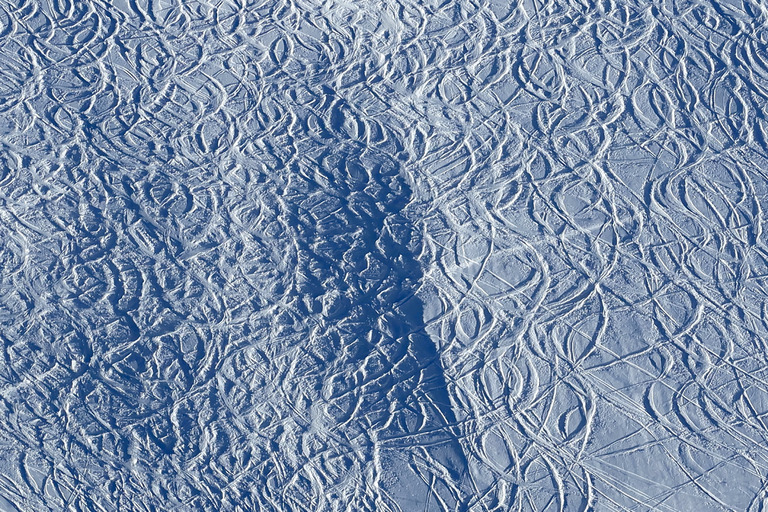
[{"x": 403, "y": 255}]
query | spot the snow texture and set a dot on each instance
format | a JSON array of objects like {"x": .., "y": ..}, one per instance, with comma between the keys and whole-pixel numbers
[{"x": 393, "y": 255}]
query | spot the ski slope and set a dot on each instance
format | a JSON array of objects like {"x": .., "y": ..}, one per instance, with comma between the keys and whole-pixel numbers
[{"x": 396, "y": 256}]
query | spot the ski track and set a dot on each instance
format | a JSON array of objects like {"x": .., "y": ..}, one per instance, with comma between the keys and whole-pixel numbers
[{"x": 383, "y": 256}]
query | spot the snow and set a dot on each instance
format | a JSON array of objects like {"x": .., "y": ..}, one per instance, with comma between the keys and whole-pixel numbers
[{"x": 386, "y": 256}]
